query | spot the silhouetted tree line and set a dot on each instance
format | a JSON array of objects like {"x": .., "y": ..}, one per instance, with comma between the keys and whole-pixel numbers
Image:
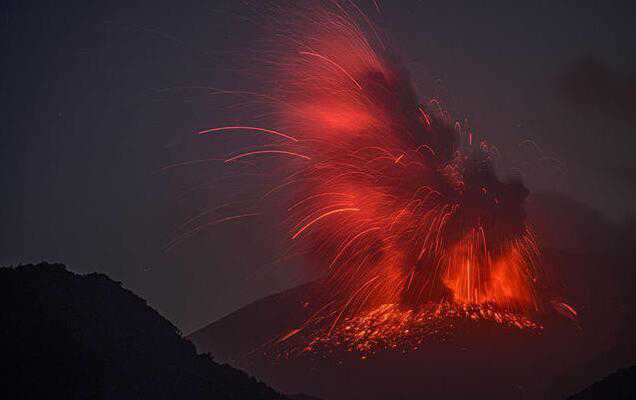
[{"x": 72, "y": 336}]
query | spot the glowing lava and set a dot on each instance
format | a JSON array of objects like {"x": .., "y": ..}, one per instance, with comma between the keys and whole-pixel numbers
[
  {"x": 390, "y": 327},
  {"x": 401, "y": 205}
]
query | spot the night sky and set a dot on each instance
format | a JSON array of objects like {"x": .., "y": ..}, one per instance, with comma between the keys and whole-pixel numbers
[{"x": 93, "y": 106}]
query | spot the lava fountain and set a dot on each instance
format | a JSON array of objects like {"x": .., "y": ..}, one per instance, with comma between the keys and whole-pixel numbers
[{"x": 400, "y": 204}]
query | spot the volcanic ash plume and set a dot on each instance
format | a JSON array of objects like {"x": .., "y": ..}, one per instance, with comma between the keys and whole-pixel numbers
[{"x": 400, "y": 205}]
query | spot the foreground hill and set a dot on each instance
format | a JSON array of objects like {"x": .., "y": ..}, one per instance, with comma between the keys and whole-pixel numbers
[{"x": 85, "y": 337}]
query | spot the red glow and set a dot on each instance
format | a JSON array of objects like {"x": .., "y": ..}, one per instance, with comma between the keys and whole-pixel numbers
[
  {"x": 475, "y": 278},
  {"x": 398, "y": 202},
  {"x": 334, "y": 118}
]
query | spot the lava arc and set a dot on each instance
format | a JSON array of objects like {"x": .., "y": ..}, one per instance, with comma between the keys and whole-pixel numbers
[{"x": 400, "y": 204}]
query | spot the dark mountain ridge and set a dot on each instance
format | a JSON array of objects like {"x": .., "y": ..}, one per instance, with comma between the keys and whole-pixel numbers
[
  {"x": 618, "y": 385},
  {"x": 73, "y": 336}
]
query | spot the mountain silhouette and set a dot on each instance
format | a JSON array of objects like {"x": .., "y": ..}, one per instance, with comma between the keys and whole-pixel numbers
[
  {"x": 480, "y": 359},
  {"x": 569, "y": 225},
  {"x": 619, "y": 385},
  {"x": 73, "y": 336}
]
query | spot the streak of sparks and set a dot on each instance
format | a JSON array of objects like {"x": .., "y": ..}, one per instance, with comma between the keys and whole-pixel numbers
[
  {"x": 248, "y": 128},
  {"x": 255, "y": 152},
  {"x": 401, "y": 205}
]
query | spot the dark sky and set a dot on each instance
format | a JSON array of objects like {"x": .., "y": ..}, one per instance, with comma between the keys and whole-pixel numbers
[{"x": 91, "y": 111}]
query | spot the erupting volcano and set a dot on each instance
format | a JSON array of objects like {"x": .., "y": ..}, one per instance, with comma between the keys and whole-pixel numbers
[{"x": 401, "y": 206}]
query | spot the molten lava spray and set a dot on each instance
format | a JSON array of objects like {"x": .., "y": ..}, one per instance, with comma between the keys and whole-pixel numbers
[{"x": 399, "y": 204}]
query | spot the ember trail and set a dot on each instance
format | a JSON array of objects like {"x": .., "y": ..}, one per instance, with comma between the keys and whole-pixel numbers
[{"x": 399, "y": 203}]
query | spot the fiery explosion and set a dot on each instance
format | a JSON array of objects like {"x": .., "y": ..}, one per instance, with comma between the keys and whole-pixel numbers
[{"x": 399, "y": 203}]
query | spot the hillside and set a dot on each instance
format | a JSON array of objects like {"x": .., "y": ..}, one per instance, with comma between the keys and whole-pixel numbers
[
  {"x": 479, "y": 359},
  {"x": 84, "y": 336},
  {"x": 588, "y": 262},
  {"x": 619, "y": 385}
]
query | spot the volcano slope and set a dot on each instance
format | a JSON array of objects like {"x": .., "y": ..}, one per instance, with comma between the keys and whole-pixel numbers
[{"x": 468, "y": 357}]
